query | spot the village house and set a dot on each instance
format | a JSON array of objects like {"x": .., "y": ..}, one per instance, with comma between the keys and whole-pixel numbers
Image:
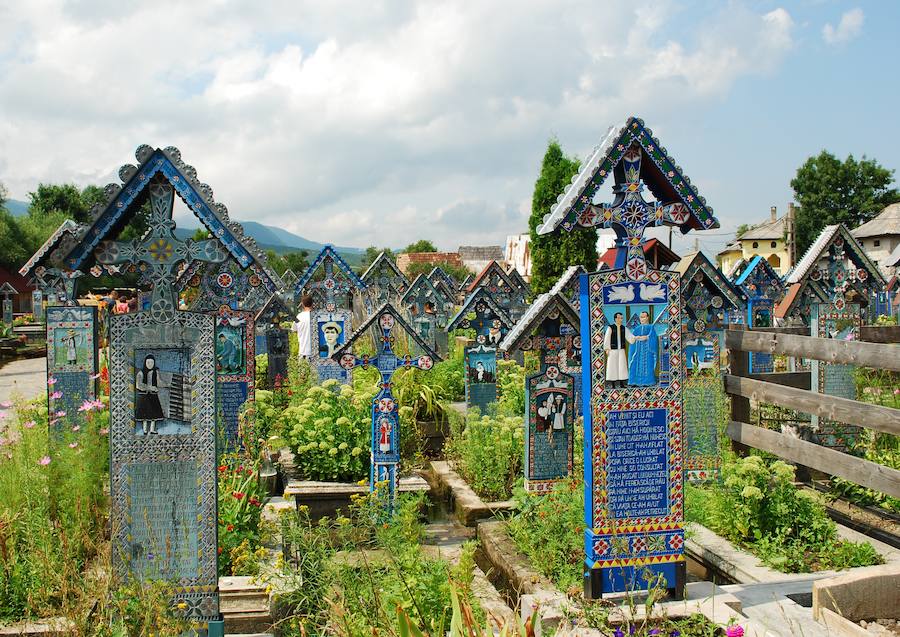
[
  {"x": 772, "y": 240},
  {"x": 880, "y": 238}
]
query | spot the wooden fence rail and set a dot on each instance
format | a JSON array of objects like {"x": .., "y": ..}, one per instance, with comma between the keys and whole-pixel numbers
[{"x": 792, "y": 390}]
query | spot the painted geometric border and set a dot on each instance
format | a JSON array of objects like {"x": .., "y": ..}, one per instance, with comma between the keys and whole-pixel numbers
[
  {"x": 195, "y": 332},
  {"x": 63, "y": 316}
]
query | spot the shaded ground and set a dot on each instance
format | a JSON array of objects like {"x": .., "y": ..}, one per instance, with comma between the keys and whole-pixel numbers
[{"x": 26, "y": 378}]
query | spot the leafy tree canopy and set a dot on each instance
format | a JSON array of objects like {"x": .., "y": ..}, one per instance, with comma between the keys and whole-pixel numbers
[
  {"x": 832, "y": 191},
  {"x": 296, "y": 261},
  {"x": 422, "y": 245},
  {"x": 552, "y": 254},
  {"x": 371, "y": 253}
]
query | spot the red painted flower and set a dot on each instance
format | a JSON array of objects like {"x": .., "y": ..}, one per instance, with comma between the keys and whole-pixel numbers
[
  {"x": 229, "y": 528},
  {"x": 237, "y": 495}
]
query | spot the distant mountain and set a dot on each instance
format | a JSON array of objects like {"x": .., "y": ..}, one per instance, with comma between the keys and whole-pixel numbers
[
  {"x": 17, "y": 208},
  {"x": 275, "y": 238}
]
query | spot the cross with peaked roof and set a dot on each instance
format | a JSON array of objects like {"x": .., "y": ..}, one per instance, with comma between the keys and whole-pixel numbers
[
  {"x": 437, "y": 274},
  {"x": 636, "y": 160},
  {"x": 338, "y": 278},
  {"x": 385, "y": 410},
  {"x": 158, "y": 253},
  {"x": 491, "y": 322},
  {"x": 385, "y": 279}
]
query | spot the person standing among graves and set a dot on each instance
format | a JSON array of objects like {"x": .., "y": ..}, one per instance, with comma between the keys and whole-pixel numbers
[
  {"x": 302, "y": 327},
  {"x": 614, "y": 343},
  {"x": 147, "y": 408},
  {"x": 121, "y": 305},
  {"x": 644, "y": 354}
]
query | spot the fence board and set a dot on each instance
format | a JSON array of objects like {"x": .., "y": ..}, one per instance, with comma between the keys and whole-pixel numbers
[
  {"x": 874, "y": 355},
  {"x": 884, "y": 419},
  {"x": 859, "y": 471},
  {"x": 800, "y": 380},
  {"x": 885, "y": 334}
]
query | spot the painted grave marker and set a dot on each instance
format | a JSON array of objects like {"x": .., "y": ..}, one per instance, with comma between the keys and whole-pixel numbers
[
  {"x": 550, "y": 326},
  {"x": 278, "y": 348},
  {"x": 504, "y": 291},
  {"x": 385, "y": 454},
  {"x": 71, "y": 362},
  {"x": 428, "y": 309},
  {"x": 384, "y": 279},
  {"x": 235, "y": 369},
  {"x": 37, "y": 305},
  {"x": 491, "y": 323},
  {"x": 763, "y": 289},
  {"x": 632, "y": 365}
]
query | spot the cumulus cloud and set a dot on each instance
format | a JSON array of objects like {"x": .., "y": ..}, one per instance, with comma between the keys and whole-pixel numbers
[
  {"x": 847, "y": 29},
  {"x": 373, "y": 123}
]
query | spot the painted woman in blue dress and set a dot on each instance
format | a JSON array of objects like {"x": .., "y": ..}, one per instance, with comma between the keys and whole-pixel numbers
[{"x": 643, "y": 354}]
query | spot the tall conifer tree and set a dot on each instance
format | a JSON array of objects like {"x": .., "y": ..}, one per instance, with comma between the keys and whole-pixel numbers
[{"x": 552, "y": 254}]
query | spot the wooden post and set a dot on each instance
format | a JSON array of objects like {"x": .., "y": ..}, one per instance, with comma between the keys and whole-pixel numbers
[{"x": 739, "y": 363}]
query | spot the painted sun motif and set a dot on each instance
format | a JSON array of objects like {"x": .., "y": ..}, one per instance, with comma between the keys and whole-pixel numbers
[{"x": 161, "y": 250}]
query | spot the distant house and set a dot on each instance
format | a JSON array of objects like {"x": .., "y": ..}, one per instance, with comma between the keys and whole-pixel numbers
[
  {"x": 14, "y": 282},
  {"x": 477, "y": 258},
  {"x": 405, "y": 259},
  {"x": 518, "y": 253},
  {"x": 658, "y": 255},
  {"x": 770, "y": 240},
  {"x": 880, "y": 238}
]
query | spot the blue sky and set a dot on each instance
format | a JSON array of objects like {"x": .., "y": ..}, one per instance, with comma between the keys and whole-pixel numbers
[{"x": 384, "y": 122}]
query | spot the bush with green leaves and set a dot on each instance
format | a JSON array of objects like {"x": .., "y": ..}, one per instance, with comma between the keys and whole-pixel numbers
[
  {"x": 328, "y": 428},
  {"x": 241, "y": 531},
  {"x": 487, "y": 451},
  {"x": 511, "y": 388},
  {"x": 758, "y": 507}
]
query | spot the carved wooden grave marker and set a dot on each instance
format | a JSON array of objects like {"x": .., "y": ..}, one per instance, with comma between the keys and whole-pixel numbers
[
  {"x": 162, "y": 384},
  {"x": 71, "y": 362},
  {"x": 763, "y": 289},
  {"x": 428, "y": 309},
  {"x": 550, "y": 326},
  {"x": 385, "y": 456},
  {"x": 331, "y": 283},
  {"x": 570, "y": 359},
  {"x": 504, "y": 291},
  {"x": 235, "y": 369},
  {"x": 491, "y": 323},
  {"x": 632, "y": 362},
  {"x": 709, "y": 299},
  {"x": 385, "y": 281}
]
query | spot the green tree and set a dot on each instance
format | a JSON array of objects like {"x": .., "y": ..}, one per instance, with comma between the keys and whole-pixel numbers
[
  {"x": 296, "y": 261},
  {"x": 371, "y": 253},
  {"x": 422, "y": 245},
  {"x": 552, "y": 254},
  {"x": 741, "y": 229},
  {"x": 832, "y": 191},
  {"x": 64, "y": 198}
]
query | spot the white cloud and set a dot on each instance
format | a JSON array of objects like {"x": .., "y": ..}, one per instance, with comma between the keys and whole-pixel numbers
[
  {"x": 373, "y": 123},
  {"x": 847, "y": 29}
]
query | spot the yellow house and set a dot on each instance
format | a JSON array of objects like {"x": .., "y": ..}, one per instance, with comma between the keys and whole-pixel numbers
[{"x": 771, "y": 240}]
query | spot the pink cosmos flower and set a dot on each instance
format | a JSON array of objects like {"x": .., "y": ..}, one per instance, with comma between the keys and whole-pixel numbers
[
  {"x": 56, "y": 395},
  {"x": 44, "y": 461},
  {"x": 29, "y": 425},
  {"x": 72, "y": 445},
  {"x": 51, "y": 380},
  {"x": 87, "y": 405},
  {"x": 95, "y": 376},
  {"x": 60, "y": 414},
  {"x": 104, "y": 431},
  {"x": 2, "y": 441},
  {"x": 5, "y": 405},
  {"x": 734, "y": 631}
]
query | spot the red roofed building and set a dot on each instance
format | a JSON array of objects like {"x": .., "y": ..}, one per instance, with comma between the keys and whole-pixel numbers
[
  {"x": 23, "y": 289},
  {"x": 657, "y": 254}
]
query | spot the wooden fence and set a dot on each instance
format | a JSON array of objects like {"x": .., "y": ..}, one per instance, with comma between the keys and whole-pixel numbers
[{"x": 792, "y": 390}]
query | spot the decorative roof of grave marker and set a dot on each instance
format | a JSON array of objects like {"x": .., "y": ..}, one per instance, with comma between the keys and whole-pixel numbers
[
  {"x": 421, "y": 284},
  {"x": 63, "y": 237},
  {"x": 517, "y": 279},
  {"x": 123, "y": 202},
  {"x": 466, "y": 283},
  {"x": 438, "y": 273},
  {"x": 823, "y": 242},
  {"x": 381, "y": 262},
  {"x": 758, "y": 270},
  {"x": 387, "y": 308},
  {"x": 696, "y": 262},
  {"x": 661, "y": 174},
  {"x": 259, "y": 283},
  {"x": 539, "y": 311},
  {"x": 567, "y": 286},
  {"x": 329, "y": 251},
  {"x": 274, "y": 307},
  {"x": 480, "y": 296},
  {"x": 491, "y": 268}
]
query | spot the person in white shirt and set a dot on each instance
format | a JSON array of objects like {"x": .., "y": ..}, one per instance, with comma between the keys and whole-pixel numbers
[
  {"x": 616, "y": 361},
  {"x": 302, "y": 327}
]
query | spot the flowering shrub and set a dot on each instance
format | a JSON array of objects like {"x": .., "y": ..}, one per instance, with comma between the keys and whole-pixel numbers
[
  {"x": 328, "y": 430},
  {"x": 758, "y": 507},
  {"x": 511, "y": 388},
  {"x": 52, "y": 507},
  {"x": 488, "y": 453},
  {"x": 240, "y": 502}
]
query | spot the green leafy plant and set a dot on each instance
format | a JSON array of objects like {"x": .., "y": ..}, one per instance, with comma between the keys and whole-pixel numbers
[
  {"x": 488, "y": 452},
  {"x": 241, "y": 534}
]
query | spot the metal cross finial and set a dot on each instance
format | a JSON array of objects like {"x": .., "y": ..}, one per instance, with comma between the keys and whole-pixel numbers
[{"x": 158, "y": 253}]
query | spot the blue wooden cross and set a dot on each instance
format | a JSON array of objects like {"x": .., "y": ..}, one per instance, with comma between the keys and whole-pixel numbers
[{"x": 385, "y": 455}]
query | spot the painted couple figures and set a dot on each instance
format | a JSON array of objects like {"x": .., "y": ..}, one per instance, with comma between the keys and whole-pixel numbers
[{"x": 638, "y": 367}]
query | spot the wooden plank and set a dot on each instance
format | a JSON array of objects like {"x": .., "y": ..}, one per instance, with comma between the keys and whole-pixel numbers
[
  {"x": 800, "y": 380},
  {"x": 873, "y": 355},
  {"x": 739, "y": 364},
  {"x": 800, "y": 331},
  {"x": 856, "y": 470},
  {"x": 880, "y": 334},
  {"x": 884, "y": 419}
]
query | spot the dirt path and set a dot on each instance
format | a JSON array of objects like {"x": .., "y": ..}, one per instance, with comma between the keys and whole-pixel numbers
[{"x": 26, "y": 378}]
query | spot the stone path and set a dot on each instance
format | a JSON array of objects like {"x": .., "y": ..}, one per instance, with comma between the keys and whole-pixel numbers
[{"x": 26, "y": 378}]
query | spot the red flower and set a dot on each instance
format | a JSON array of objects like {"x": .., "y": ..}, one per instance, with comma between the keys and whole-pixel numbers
[
  {"x": 220, "y": 550},
  {"x": 222, "y": 468},
  {"x": 229, "y": 528},
  {"x": 237, "y": 495},
  {"x": 255, "y": 502}
]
